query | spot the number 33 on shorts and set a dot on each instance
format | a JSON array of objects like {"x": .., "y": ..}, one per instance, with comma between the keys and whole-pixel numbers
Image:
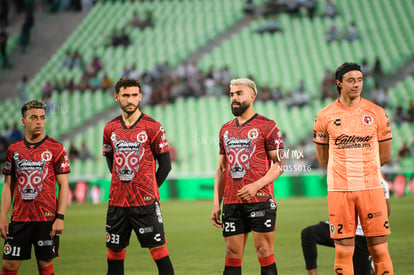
[{"x": 112, "y": 238}]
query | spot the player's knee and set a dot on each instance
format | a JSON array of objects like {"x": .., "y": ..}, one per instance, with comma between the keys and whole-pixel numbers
[
  {"x": 116, "y": 254},
  {"x": 233, "y": 253},
  {"x": 10, "y": 265},
  {"x": 344, "y": 251},
  {"x": 379, "y": 252},
  {"x": 264, "y": 249},
  {"x": 306, "y": 234}
]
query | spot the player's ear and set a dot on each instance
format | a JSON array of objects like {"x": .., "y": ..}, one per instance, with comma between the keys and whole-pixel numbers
[
  {"x": 116, "y": 97},
  {"x": 338, "y": 83},
  {"x": 22, "y": 121}
]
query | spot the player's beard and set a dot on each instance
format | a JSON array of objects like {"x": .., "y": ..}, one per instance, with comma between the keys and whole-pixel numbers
[
  {"x": 240, "y": 109},
  {"x": 128, "y": 110}
]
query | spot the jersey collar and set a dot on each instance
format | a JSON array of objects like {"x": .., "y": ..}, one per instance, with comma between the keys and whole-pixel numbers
[
  {"x": 247, "y": 121},
  {"x": 34, "y": 145},
  {"x": 133, "y": 124}
]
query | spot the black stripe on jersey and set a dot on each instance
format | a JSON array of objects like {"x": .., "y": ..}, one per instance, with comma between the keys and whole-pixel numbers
[
  {"x": 253, "y": 117},
  {"x": 33, "y": 145},
  {"x": 132, "y": 126}
]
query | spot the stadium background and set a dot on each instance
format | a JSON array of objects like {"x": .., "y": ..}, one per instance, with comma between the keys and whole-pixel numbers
[{"x": 216, "y": 36}]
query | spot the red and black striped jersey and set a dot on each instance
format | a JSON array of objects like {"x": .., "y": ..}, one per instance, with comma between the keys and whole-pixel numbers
[
  {"x": 34, "y": 168},
  {"x": 134, "y": 149},
  {"x": 245, "y": 147}
]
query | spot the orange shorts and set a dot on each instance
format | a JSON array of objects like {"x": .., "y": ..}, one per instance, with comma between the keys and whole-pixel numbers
[{"x": 345, "y": 206}]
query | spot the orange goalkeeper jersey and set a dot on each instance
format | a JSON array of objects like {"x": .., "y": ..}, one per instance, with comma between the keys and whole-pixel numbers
[{"x": 353, "y": 134}]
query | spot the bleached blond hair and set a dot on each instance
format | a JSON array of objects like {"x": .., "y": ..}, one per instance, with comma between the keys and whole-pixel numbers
[{"x": 244, "y": 81}]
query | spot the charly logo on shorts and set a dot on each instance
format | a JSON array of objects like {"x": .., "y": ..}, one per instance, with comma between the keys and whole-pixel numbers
[{"x": 7, "y": 249}]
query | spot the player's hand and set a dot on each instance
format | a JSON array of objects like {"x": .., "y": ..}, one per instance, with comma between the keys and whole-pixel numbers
[
  {"x": 215, "y": 217},
  {"x": 4, "y": 228},
  {"x": 57, "y": 228},
  {"x": 247, "y": 192}
]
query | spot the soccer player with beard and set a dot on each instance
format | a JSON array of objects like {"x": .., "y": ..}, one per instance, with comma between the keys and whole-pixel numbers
[
  {"x": 251, "y": 158},
  {"x": 353, "y": 139},
  {"x": 132, "y": 143},
  {"x": 32, "y": 168}
]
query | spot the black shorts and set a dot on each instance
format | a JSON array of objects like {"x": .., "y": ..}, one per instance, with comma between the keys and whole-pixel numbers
[
  {"x": 22, "y": 235},
  {"x": 243, "y": 218},
  {"x": 146, "y": 221}
]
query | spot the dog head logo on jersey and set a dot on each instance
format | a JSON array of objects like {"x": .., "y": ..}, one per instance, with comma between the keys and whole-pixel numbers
[
  {"x": 239, "y": 152},
  {"x": 30, "y": 176},
  {"x": 46, "y": 155},
  {"x": 127, "y": 156},
  {"x": 142, "y": 137},
  {"x": 367, "y": 119}
]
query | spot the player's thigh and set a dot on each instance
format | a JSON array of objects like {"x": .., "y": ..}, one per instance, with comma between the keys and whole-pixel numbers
[
  {"x": 235, "y": 245},
  {"x": 18, "y": 244},
  {"x": 373, "y": 212},
  {"x": 45, "y": 247},
  {"x": 235, "y": 221},
  {"x": 118, "y": 228},
  {"x": 147, "y": 223},
  {"x": 342, "y": 214}
]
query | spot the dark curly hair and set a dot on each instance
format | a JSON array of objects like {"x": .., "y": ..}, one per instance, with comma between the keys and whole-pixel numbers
[
  {"x": 125, "y": 82},
  {"x": 32, "y": 104}
]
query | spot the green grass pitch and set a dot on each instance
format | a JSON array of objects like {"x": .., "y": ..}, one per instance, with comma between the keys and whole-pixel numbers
[{"x": 196, "y": 247}]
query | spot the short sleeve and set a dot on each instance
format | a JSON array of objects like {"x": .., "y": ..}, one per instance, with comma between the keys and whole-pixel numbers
[
  {"x": 61, "y": 165},
  {"x": 106, "y": 144},
  {"x": 384, "y": 127},
  {"x": 320, "y": 133},
  {"x": 159, "y": 143},
  {"x": 8, "y": 168},
  {"x": 273, "y": 139},
  {"x": 222, "y": 150}
]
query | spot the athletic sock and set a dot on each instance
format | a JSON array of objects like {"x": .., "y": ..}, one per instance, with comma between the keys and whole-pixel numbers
[
  {"x": 48, "y": 270},
  {"x": 268, "y": 265},
  {"x": 162, "y": 259},
  {"x": 381, "y": 258},
  {"x": 232, "y": 266},
  {"x": 165, "y": 266},
  {"x": 116, "y": 262},
  {"x": 343, "y": 259}
]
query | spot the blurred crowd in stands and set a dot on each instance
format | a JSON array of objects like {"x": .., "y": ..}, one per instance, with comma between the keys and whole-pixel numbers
[
  {"x": 12, "y": 10},
  {"x": 164, "y": 83},
  {"x": 8, "y": 135}
]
